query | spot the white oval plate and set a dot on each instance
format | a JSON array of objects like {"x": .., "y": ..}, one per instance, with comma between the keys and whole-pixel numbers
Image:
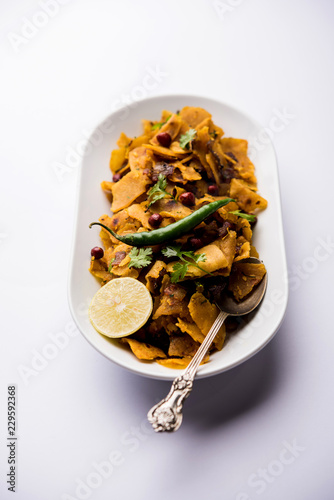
[{"x": 268, "y": 234}]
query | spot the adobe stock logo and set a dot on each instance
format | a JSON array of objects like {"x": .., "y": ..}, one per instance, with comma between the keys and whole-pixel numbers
[
  {"x": 264, "y": 476},
  {"x": 31, "y": 27},
  {"x": 100, "y": 471},
  {"x": 89, "y": 140},
  {"x": 222, "y": 8},
  {"x": 41, "y": 358},
  {"x": 279, "y": 121}
]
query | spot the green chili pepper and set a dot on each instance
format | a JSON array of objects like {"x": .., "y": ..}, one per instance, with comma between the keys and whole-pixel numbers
[{"x": 171, "y": 232}]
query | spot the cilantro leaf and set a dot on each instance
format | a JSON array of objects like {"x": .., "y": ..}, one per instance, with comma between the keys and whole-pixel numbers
[
  {"x": 110, "y": 265},
  {"x": 158, "y": 191},
  {"x": 155, "y": 197},
  {"x": 201, "y": 257},
  {"x": 157, "y": 126},
  {"x": 180, "y": 268},
  {"x": 140, "y": 257},
  {"x": 173, "y": 251},
  {"x": 186, "y": 138},
  {"x": 179, "y": 271},
  {"x": 160, "y": 185},
  {"x": 249, "y": 217}
]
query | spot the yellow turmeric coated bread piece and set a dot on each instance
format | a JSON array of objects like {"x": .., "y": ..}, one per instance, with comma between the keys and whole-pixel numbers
[{"x": 180, "y": 164}]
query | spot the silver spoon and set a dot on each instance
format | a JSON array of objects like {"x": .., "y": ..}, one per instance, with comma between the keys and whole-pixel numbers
[{"x": 167, "y": 415}]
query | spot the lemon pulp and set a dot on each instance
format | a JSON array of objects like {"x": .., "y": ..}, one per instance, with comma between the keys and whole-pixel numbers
[{"x": 120, "y": 307}]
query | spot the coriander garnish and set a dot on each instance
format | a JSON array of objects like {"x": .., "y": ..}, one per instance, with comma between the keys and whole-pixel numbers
[
  {"x": 180, "y": 268},
  {"x": 249, "y": 217},
  {"x": 140, "y": 257},
  {"x": 157, "y": 126},
  {"x": 158, "y": 191},
  {"x": 187, "y": 138}
]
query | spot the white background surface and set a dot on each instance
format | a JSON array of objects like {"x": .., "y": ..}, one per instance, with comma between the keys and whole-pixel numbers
[{"x": 261, "y": 56}]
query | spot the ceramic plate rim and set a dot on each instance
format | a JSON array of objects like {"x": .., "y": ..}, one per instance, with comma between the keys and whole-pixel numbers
[{"x": 139, "y": 367}]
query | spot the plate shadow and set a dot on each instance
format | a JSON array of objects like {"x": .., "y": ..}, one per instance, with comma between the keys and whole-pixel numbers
[{"x": 215, "y": 400}]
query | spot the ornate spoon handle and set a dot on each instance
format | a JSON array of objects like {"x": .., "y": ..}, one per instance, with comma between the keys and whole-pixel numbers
[{"x": 167, "y": 415}]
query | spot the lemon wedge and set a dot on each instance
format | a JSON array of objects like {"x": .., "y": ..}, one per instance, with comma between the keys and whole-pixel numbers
[{"x": 120, "y": 307}]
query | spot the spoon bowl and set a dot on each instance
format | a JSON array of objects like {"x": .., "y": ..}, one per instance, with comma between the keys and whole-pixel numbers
[{"x": 232, "y": 307}]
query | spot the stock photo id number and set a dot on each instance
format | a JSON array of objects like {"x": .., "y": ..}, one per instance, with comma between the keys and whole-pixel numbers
[{"x": 11, "y": 438}]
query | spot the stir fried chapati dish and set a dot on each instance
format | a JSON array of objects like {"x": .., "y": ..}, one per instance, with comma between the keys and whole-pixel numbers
[{"x": 184, "y": 205}]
